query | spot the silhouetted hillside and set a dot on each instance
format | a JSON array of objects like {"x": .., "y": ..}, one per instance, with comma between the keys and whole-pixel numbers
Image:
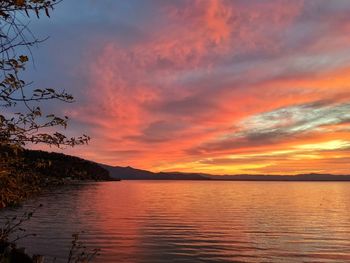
[
  {"x": 25, "y": 172},
  {"x": 59, "y": 165}
]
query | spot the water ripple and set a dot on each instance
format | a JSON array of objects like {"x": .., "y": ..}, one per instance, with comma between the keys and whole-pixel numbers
[{"x": 192, "y": 221}]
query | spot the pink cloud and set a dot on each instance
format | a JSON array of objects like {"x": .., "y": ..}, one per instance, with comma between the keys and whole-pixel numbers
[{"x": 207, "y": 66}]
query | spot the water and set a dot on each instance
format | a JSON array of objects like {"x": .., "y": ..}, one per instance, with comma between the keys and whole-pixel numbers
[{"x": 195, "y": 221}]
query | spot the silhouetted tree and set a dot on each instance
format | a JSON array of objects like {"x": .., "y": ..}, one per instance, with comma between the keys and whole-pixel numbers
[{"x": 22, "y": 121}]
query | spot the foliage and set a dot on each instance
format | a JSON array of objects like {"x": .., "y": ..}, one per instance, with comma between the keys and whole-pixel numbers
[
  {"x": 15, "y": 185},
  {"x": 22, "y": 120}
]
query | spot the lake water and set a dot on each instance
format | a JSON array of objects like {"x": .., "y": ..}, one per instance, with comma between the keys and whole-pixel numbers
[{"x": 195, "y": 221}]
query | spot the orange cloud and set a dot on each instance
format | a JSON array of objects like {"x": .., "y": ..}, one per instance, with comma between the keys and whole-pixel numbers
[{"x": 222, "y": 87}]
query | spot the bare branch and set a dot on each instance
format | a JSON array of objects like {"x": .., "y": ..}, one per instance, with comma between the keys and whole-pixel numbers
[{"x": 31, "y": 125}]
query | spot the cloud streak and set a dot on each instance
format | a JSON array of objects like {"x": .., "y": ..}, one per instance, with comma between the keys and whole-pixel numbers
[{"x": 212, "y": 86}]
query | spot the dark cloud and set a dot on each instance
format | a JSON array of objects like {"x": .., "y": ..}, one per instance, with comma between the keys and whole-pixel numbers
[
  {"x": 280, "y": 125},
  {"x": 159, "y": 131}
]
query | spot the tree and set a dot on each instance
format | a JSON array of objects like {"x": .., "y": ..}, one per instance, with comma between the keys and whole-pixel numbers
[{"x": 30, "y": 124}]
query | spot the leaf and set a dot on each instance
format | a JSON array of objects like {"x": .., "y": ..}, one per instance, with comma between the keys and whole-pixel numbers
[
  {"x": 20, "y": 2},
  {"x": 23, "y": 59}
]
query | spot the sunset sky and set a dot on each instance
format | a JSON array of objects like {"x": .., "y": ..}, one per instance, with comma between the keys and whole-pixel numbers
[{"x": 224, "y": 87}]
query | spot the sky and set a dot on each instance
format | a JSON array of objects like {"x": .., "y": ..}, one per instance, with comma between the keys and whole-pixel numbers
[{"x": 212, "y": 86}]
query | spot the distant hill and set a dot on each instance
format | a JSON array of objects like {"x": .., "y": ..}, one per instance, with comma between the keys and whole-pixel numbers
[
  {"x": 298, "y": 177},
  {"x": 129, "y": 173}
]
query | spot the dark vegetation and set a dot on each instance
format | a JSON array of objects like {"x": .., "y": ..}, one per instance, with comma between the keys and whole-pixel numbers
[
  {"x": 24, "y": 173},
  {"x": 60, "y": 166}
]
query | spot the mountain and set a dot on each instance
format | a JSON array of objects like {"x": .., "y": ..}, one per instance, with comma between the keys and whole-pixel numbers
[
  {"x": 298, "y": 177},
  {"x": 129, "y": 173}
]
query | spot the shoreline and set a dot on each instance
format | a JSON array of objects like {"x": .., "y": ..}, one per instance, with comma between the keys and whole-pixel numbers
[
  {"x": 12, "y": 197},
  {"x": 25, "y": 173}
]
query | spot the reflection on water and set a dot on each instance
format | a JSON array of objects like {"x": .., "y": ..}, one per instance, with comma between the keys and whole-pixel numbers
[{"x": 195, "y": 221}]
